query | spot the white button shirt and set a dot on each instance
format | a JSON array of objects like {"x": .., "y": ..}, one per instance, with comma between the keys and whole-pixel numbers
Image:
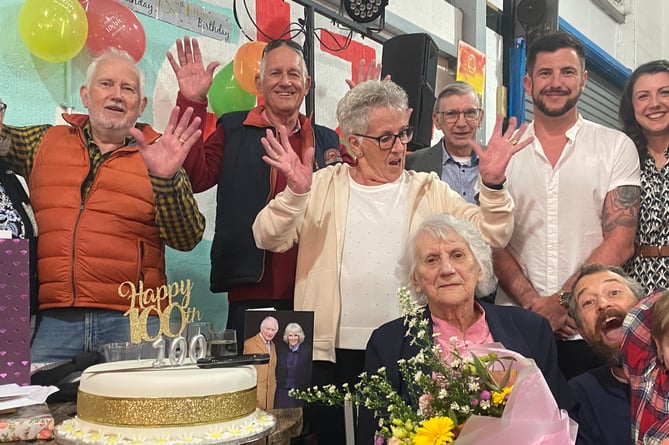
[{"x": 558, "y": 216}]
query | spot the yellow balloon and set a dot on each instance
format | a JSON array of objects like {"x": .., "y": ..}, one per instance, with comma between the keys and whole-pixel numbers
[{"x": 53, "y": 30}]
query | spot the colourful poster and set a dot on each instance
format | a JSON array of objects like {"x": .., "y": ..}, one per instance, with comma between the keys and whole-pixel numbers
[{"x": 471, "y": 67}]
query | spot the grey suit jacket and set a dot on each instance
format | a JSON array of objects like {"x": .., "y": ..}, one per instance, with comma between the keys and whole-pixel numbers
[{"x": 428, "y": 159}]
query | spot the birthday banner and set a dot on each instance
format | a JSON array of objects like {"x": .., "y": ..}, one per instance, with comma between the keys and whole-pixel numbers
[{"x": 184, "y": 14}]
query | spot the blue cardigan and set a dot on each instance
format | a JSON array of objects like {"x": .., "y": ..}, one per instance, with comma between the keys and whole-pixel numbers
[{"x": 517, "y": 329}]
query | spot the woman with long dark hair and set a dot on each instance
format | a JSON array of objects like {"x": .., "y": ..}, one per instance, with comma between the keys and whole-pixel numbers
[{"x": 644, "y": 113}]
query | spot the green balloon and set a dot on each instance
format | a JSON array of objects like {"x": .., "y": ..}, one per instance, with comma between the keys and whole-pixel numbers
[{"x": 226, "y": 95}]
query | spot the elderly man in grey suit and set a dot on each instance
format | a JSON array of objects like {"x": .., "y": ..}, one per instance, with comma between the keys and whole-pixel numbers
[{"x": 458, "y": 114}]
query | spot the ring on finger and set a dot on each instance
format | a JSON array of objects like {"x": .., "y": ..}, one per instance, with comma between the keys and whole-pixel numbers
[
  {"x": 181, "y": 140},
  {"x": 513, "y": 141},
  {"x": 276, "y": 157}
]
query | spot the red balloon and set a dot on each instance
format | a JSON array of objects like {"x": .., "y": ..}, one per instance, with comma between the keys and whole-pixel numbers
[{"x": 113, "y": 25}]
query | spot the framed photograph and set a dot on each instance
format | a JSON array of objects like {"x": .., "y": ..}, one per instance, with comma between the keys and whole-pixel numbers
[{"x": 288, "y": 336}]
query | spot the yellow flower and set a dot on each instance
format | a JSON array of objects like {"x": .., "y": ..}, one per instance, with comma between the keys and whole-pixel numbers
[
  {"x": 499, "y": 397},
  {"x": 435, "y": 431}
]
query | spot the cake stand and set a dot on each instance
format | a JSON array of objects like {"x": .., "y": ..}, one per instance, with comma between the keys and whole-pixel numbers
[{"x": 78, "y": 432}]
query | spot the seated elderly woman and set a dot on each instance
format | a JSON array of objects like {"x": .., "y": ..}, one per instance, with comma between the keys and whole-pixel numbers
[
  {"x": 446, "y": 264},
  {"x": 349, "y": 223}
]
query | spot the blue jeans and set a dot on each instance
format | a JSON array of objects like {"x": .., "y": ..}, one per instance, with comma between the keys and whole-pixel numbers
[{"x": 61, "y": 334}]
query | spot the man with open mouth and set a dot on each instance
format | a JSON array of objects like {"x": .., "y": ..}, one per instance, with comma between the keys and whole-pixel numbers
[{"x": 600, "y": 300}]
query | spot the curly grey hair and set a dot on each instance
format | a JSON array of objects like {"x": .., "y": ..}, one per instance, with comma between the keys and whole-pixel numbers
[
  {"x": 354, "y": 108},
  {"x": 441, "y": 226}
]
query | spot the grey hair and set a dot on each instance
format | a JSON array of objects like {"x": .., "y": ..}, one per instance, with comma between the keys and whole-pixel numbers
[
  {"x": 589, "y": 269},
  {"x": 457, "y": 88},
  {"x": 114, "y": 53},
  {"x": 354, "y": 108},
  {"x": 267, "y": 320},
  {"x": 441, "y": 226},
  {"x": 263, "y": 61},
  {"x": 293, "y": 328}
]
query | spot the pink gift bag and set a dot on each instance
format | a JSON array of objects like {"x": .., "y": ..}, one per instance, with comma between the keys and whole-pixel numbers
[{"x": 14, "y": 312}]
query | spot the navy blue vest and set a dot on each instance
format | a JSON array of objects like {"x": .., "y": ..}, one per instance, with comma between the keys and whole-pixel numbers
[{"x": 243, "y": 190}]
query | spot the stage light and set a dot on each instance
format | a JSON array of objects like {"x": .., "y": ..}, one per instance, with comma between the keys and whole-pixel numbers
[{"x": 364, "y": 11}]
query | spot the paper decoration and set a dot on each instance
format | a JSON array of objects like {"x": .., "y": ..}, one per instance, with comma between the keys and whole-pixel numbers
[{"x": 471, "y": 67}]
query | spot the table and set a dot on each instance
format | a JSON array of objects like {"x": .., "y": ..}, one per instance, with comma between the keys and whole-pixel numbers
[{"x": 288, "y": 424}]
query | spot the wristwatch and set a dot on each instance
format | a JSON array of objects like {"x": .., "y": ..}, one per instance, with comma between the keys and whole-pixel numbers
[{"x": 564, "y": 297}]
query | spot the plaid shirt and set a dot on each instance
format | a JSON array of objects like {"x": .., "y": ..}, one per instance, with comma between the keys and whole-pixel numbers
[
  {"x": 178, "y": 218},
  {"x": 648, "y": 378}
]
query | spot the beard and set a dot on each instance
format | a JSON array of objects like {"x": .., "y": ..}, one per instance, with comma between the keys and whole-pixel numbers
[
  {"x": 98, "y": 119},
  {"x": 607, "y": 352},
  {"x": 610, "y": 354},
  {"x": 541, "y": 105}
]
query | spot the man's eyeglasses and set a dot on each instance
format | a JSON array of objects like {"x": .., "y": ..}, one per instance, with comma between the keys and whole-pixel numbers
[
  {"x": 451, "y": 116},
  {"x": 3, "y": 107},
  {"x": 387, "y": 141},
  {"x": 274, "y": 44}
]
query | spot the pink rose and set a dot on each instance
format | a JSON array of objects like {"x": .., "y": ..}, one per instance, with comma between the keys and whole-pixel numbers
[{"x": 425, "y": 405}]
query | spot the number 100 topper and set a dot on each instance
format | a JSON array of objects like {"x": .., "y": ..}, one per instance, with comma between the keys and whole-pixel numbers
[{"x": 161, "y": 302}]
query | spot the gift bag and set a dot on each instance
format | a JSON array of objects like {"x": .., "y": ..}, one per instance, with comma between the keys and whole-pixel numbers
[{"x": 14, "y": 311}]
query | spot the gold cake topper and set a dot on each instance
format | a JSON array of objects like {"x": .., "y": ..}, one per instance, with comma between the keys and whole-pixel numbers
[{"x": 160, "y": 301}]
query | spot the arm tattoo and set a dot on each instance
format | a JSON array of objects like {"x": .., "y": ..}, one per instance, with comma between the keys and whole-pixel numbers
[{"x": 621, "y": 208}]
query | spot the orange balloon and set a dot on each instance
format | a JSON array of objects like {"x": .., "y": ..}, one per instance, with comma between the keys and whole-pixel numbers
[{"x": 246, "y": 65}]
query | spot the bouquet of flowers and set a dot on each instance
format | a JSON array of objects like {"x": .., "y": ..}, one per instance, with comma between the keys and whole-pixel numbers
[{"x": 447, "y": 389}]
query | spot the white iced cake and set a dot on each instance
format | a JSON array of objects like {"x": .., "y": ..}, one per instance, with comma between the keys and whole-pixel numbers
[{"x": 121, "y": 404}]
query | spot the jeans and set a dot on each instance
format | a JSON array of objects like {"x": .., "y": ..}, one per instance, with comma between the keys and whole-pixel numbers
[{"x": 61, "y": 334}]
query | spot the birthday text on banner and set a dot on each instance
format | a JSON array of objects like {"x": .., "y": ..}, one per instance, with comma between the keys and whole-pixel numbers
[{"x": 185, "y": 14}]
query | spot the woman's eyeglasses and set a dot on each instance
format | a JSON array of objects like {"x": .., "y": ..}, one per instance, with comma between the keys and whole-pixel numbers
[
  {"x": 387, "y": 141},
  {"x": 3, "y": 107}
]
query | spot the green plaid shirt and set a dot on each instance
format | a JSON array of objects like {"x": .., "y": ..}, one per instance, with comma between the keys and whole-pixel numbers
[{"x": 178, "y": 218}]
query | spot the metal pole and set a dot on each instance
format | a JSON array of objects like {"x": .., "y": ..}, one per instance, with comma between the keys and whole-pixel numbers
[{"x": 309, "y": 50}]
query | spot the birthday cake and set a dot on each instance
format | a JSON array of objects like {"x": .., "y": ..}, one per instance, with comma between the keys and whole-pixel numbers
[{"x": 131, "y": 402}]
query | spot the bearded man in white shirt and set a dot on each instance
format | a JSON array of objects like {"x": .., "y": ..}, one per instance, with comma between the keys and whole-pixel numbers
[{"x": 576, "y": 190}]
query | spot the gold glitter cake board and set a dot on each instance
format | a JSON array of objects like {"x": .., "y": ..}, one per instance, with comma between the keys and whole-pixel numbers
[{"x": 77, "y": 432}]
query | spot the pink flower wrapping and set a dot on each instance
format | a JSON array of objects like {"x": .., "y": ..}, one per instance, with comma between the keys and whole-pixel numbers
[{"x": 531, "y": 411}]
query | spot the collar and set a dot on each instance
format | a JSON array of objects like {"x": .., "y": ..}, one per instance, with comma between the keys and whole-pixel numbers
[
  {"x": 570, "y": 133},
  {"x": 477, "y": 333},
  {"x": 88, "y": 134},
  {"x": 573, "y": 131},
  {"x": 449, "y": 158},
  {"x": 257, "y": 117}
]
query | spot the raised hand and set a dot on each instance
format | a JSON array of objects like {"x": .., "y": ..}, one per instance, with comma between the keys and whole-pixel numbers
[
  {"x": 164, "y": 157},
  {"x": 495, "y": 158},
  {"x": 372, "y": 72},
  {"x": 194, "y": 80},
  {"x": 280, "y": 155}
]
